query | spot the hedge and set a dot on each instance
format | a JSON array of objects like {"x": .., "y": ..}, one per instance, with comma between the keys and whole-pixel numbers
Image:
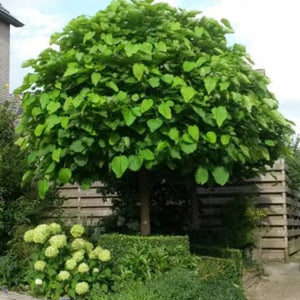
[
  {"x": 119, "y": 244},
  {"x": 233, "y": 254}
]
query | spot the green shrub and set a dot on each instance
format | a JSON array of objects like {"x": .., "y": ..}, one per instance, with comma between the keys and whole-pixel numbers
[
  {"x": 62, "y": 265},
  {"x": 181, "y": 284},
  {"x": 121, "y": 243},
  {"x": 140, "y": 258},
  {"x": 213, "y": 267},
  {"x": 234, "y": 254}
]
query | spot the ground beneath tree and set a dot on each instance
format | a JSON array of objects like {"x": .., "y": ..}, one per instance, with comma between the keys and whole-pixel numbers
[{"x": 282, "y": 282}]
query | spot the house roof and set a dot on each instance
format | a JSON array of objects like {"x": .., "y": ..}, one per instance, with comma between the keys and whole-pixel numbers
[{"x": 6, "y": 17}]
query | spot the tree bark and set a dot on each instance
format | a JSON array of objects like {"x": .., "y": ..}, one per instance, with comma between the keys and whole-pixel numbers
[{"x": 144, "y": 191}]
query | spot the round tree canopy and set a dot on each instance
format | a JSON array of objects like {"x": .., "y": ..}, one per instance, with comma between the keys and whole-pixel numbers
[{"x": 144, "y": 85}]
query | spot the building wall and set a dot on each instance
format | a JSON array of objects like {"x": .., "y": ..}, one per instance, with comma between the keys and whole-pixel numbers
[{"x": 4, "y": 60}]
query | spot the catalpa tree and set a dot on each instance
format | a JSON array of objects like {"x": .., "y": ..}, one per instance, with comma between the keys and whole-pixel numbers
[{"x": 143, "y": 86}]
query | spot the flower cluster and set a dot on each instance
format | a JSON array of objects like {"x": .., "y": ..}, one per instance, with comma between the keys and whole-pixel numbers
[{"x": 74, "y": 259}]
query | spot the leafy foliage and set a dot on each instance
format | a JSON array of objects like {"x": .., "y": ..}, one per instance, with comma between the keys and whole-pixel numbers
[
  {"x": 293, "y": 162},
  {"x": 181, "y": 284},
  {"x": 143, "y": 85}
]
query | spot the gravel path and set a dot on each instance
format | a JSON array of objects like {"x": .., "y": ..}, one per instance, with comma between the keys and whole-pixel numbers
[
  {"x": 282, "y": 283},
  {"x": 4, "y": 295}
]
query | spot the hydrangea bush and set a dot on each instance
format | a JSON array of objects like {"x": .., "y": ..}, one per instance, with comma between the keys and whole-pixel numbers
[{"x": 64, "y": 265}]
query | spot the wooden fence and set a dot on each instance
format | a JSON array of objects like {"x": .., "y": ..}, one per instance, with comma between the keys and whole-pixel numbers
[{"x": 279, "y": 232}]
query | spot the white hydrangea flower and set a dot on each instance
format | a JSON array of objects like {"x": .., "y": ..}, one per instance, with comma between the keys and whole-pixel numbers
[
  {"x": 41, "y": 234},
  {"x": 70, "y": 264},
  {"x": 58, "y": 241},
  {"x": 51, "y": 251},
  {"x": 83, "y": 268},
  {"x": 104, "y": 255},
  {"x": 63, "y": 275},
  {"x": 89, "y": 247},
  {"x": 95, "y": 270},
  {"x": 38, "y": 281},
  {"x": 28, "y": 236},
  {"x": 78, "y": 255},
  {"x": 77, "y": 230},
  {"x": 94, "y": 254},
  {"x": 78, "y": 244},
  {"x": 39, "y": 265},
  {"x": 55, "y": 228},
  {"x": 81, "y": 288}
]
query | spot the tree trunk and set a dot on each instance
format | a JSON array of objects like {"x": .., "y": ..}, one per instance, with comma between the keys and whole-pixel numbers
[
  {"x": 144, "y": 191},
  {"x": 194, "y": 207}
]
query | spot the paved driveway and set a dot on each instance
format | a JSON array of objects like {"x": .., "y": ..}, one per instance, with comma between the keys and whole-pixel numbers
[{"x": 282, "y": 283}]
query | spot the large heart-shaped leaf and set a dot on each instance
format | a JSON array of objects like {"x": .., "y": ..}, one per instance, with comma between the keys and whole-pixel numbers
[
  {"x": 119, "y": 165},
  {"x": 219, "y": 114},
  {"x": 43, "y": 187},
  {"x": 221, "y": 175},
  {"x": 201, "y": 175},
  {"x": 64, "y": 175},
  {"x": 135, "y": 162},
  {"x": 154, "y": 124},
  {"x": 194, "y": 132},
  {"x": 139, "y": 70},
  {"x": 210, "y": 83},
  {"x": 146, "y": 105},
  {"x": 164, "y": 109},
  {"x": 128, "y": 116},
  {"x": 187, "y": 93}
]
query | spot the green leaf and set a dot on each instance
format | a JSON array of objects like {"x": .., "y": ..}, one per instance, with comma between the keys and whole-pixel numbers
[
  {"x": 128, "y": 116},
  {"x": 119, "y": 165},
  {"x": 219, "y": 114},
  {"x": 147, "y": 154},
  {"x": 39, "y": 129},
  {"x": 56, "y": 154},
  {"x": 224, "y": 86},
  {"x": 211, "y": 136},
  {"x": 80, "y": 160},
  {"x": 51, "y": 168},
  {"x": 189, "y": 66},
  {"x": 112, "y": 85},
  {"x": 225, "y": 139},
  {"x": 201, "y": 175},
  {"x": 64, "y": 175},
  {"x": 114, "y": 138},
  {"x": 52, "y": 107},
  {"x": 270, "y": 143},
  {"x": 77, "y": 146},
  {"x": 146, "y": 105},
  {"x": 187, "y": 93},
  {"x": 164, "y": 109},
  {"x": 154, "y": 82},
  {"x": 88, "y": 36},
  {"x": 221, "y": 175},
  {"x": 96, "y": 78},
  {"x": 64, "y": 122},
  {"x": 27, "y": 176},
  {"x": 161, "y": 46},
  {"x": 188, "y": 148},
  {"x": 194, "y": 132},
  {"x": 174, "y": 134},
  {"x": 168, "y": 78},
  {"x": 36, "y": 111},
  {"x": 139, "y": 70},
  {"x": 154, "y": 124},
  {"x": 210, "y": 83},
  {"x": 44, "y": 100},
  {"x": 162, "y": 145},
  {"x": 146, "y": 47},
  {"x": 135, "y": 162},
  {"x": 226, "y": 23},
  {"x": 43, "y": 187},
  {"x": 71, "y": 70},
  {"x": 131, "y": 49}
]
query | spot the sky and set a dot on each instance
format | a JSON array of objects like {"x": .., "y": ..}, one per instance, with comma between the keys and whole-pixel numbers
[{"x": 270, "y": 30}]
